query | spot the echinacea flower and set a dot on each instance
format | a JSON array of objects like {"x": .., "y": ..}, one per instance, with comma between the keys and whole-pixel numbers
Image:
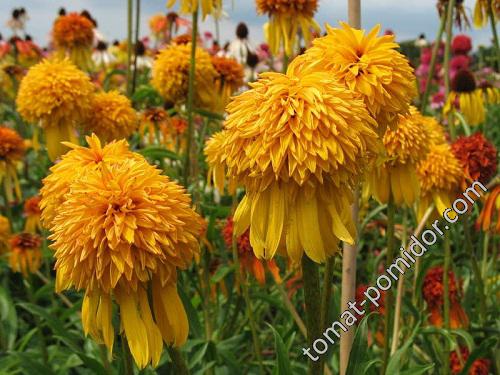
[
  {"x": 111, "y": 116},
  {"x": 73, "y": 35},
  {"x": 478, "y": 157},
  {"x": 25, "y": 253},
  {"x": 286, "y": 19},
  {"x": 32, "y": 212},
  {"x": 469, "y": 98},
  {"x": 11, "y": 153},
  {"x": 248, "y": 261},
  {"x": 405, "y": 146},
  {"x": 489, "y": 218},
  {"x": 368, "y": 64},
  {"x": 170, "y": 75},
  {"x": 480, "y": 366},
  {"x": 440, "y": 175},
  {"x": 190, "y": 6},
  {"x": 230, "y": 79},
  {"x": 298, "y": 144},
  {"x": 4, "y": 234},
  {"x": 120, "y": 233},
  {"x": 481, "y": 13},
  {"x": 433, "y": 292},
  {"x": 57, "y": 96}
]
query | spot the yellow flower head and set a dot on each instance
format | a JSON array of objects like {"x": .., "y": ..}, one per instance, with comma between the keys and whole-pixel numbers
[
  {"x": 435, "y": 131},
  {"x": 230, "y": 78},
  {"x": 287, "y": 17},
  {"x": 367, "y": 64},
  {"x": 481, "y": 13},
  {"x": 298, "y": 144},
  {"x": 25, "y": 253},
  {"x": 57, "y": 95},
  {"x": 12, "y": 150},
  {"x": 170, "y": 74},
  {"x": 190, "y": 6},
  {"x": 77, "y": 161},
  {"x": 440, "y": 175},
  {"x": 112, "y": 116},
  {"x": 4, "y": 234},
  {"x": 405, "y": 146},
  {"x": 32, "y": 213},
  {"x": 122, "y": 230},
  {"x": 216, "y": 172}
]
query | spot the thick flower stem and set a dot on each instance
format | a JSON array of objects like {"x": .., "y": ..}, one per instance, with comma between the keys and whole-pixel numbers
[
  {"x": 446, "y": 300},
  {"x": 190, "y": 99},
  {"x": 391, "y": 208},
  {"x": 327, "y": 291},
  {"x": 312, "y": 296},
  {"x": 178, "y": 361},
  {"x": 432, "y": 67},
  {"x": 128, "y": 363},
  {"x": 38, "y": 324},
  {"x": 129, "y": 44},
  {"x": 491, "y": 16},
  {"x": 447, "y": 56},
  {"x": 136, "y": 39}
]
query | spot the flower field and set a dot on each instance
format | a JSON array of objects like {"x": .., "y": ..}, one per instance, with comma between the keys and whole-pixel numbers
[{"x": 323, "y": 201}]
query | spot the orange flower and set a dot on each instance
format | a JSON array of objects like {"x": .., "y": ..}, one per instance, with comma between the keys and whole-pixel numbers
[
  {"x": 150, "y": 120},
  {"x": 479, "y": 366},
  {"x": 486, "y": 220},
  {"x": 25, "y": 253},
  {"x": 11, "y": 152},
  {"x": 248, "y": 261},
  {"x": 32, "y": 212},
  {"x": 433, "y": 291}
]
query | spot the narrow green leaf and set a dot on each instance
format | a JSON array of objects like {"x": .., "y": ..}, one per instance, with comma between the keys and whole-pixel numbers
[
  {"x": 359, "y": 351},
  {"x": 282, "y": 361}
]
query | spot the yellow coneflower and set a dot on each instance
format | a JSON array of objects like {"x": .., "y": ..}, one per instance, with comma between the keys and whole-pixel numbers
[
  {"x": 286, "y": 19},
  {"x": 32, "y": 212},
  {"x": 65, "y": 103},
  {"x": 4, "y": 234},
  {"x": 73, "y": 36},
  {"x": 120, "y": 234},
  {"x": 481, "y": 13},
  {"x": 170, "y": 75},
  {"x": 11, "y": 153},
  {"x": 467, "y": 97},
  {"x": 405, "y": 146},
  {"x": 111, "y": 116},
  {"x": 367, "y": 64},
  {"x": 440, "y": 175},
  {"x": 490, "y": 92},
  {"x": 190, "y": 6},
  {"x": 216, "y": 168},
  {"x": 230, "y": 79},
  {"x": 298, "y": 145},
  {"x": 25, "y": 253}
]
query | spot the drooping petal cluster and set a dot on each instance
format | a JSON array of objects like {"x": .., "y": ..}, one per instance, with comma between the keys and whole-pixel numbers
[
  {"x": 367, "y": 64},
  {"x": 208, "y": 7},
  {"x": 25, "y": 253},
  {"x": 57, "y": 96},
  {"x": 4, "y": 234},
  {"x": 32, "y": 213},
  {"x": 170, "y": 75},
  {"x": 286, "y": 19},
  {"x": 298, "y": 143},
  {"x": 481, "y": 12},
  {"x": 120, "y": 232},
  {"x": 12, "y": 151},
  {"x": 489, "y": 219},
  {"x": 229, "y": 80},
  {"x": 111, "y": 116}
]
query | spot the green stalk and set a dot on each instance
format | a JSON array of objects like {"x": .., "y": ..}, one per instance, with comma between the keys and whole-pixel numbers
[
  {"x": 129, "y": 43},
  {"x": 137, "y": 26},
  {"x": 446, "y": 300},
  {"x": 484, "y": 260},
  {"x": 432, "y": 67},
  {"x": 327, "y": 294},
  {"x": 391, "y": 208},
  {"x": 190, "y": 99},
  {"x": 447, "y": 56},
  {"x": 178, "y": 360},
  {"x": 128, "y": 363},
  {"x": 38, "y": 324},
  {"x": 494, "y": 32},
  {"x": 312, "y": 297}
]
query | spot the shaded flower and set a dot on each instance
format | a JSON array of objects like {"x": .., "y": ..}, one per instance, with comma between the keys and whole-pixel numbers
[
  {"x": 12, "y": 150},
  {"x": 477, "y": 156},
  {"x": 190, "y": 6},
  {"x": 433, "y": 291},
  {"x": 490, "y": 212},
  {"x": 481, "y": 14},
  {"x": 111, "y": 116},
  {"x": 25, "y": 253},
  {"x": 65, "y": 103},
  {"x": 32, "y": 212},
  {"x": 120, "y": 234},
  {"x": 4, "y": 234},
  {"x": 150, "y": 120},
  {"x": 230, "y": 79},
  {"x": 286, "y": 19},
  {"x": 479, "y": 367}
]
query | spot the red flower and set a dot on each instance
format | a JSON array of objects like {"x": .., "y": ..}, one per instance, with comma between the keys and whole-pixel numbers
[
  {"x": 461, "y": 44},
  {"x": 490, "y": 212},
  {"x": 479, "y": 366},
  {"x": 459, "y": 62},
  {"x": 477, "y": 156}
]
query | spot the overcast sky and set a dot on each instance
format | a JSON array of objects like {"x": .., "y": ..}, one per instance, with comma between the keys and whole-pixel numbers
[{"x": 407, "y": 18}]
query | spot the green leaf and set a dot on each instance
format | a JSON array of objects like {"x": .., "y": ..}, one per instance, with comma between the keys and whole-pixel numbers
[
  {"x": 282, "y": 366},
  {"x": 221, "y": 273},
  {"x": 108, "y": 77},
  {"x": 158, "y": 153},
  {"x": 210, "y": 115},
  {"x": 359, "y": 351},
  {"x": 30, "y": 366},
  {"x": 194, "y": 322},
  {"x": 418, "y": 370},
  {"x": 395, "y": 363}
]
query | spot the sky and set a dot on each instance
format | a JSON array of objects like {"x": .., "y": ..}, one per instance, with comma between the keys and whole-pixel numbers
[{"x": 407, "y": 18}]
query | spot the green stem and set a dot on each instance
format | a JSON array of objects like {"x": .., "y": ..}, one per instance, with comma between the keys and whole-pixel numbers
[
  {"x": 38, "y": 324},
  {"x": 447, "y": 56},
  {"x": 327, "y": 294},
  {"x": 388, "y": 294},
  {"x": 128, "y": 363},
  {"x": 137, "y": 26},
  {"x": 178, "y": 361},
  {"x": 190, "y": 99},
  {"x": 285, "y": 63},
  {"x": 312, "y": 297},
  {"x": 484, "y": 260},
  {"x": 432, "y": 67},
  {"x": 129, "y": 43},
  {"x": 494, "y": 32},
  {"x": 103, "y": 351},
  {"x": 446, "y": 299}
]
